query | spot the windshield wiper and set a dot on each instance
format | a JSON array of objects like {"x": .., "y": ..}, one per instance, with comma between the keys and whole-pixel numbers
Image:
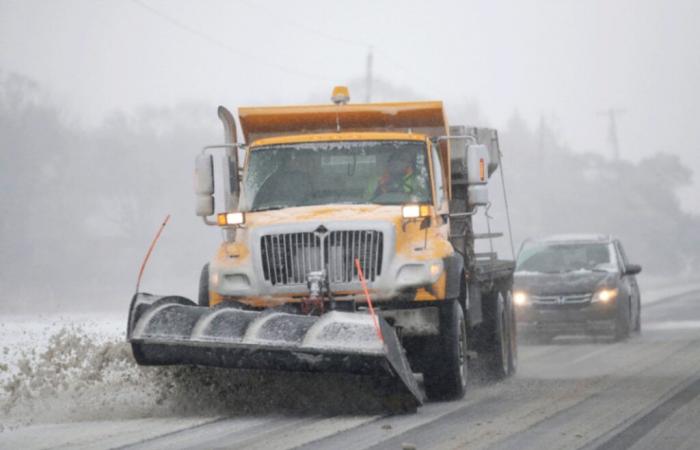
[
  {"x": 269, "y": 208},
  {"x": 589, "y": 269}
]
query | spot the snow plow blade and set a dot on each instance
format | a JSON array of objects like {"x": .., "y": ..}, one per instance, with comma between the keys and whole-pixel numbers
[{"x": 172, "y": 330}]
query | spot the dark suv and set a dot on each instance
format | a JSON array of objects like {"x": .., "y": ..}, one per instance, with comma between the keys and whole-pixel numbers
[{"x": 574, "y": 284}]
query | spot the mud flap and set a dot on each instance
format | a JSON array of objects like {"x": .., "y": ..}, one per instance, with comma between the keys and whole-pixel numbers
[{"x": 172, "y": 330}]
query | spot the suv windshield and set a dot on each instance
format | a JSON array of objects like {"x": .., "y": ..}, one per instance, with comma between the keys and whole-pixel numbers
[
  {"x": 352, "y": 172},
  {"x": 560, "y": 257}
]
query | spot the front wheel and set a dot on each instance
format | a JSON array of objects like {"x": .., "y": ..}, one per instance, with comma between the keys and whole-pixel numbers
[
  {"x": 445, "y": 378},
  {"x": 638, "y": 320},
  {"x": 622, "y": 321}
]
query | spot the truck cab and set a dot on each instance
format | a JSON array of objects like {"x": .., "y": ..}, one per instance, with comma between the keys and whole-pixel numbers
[{"x": 318, "y": 202}]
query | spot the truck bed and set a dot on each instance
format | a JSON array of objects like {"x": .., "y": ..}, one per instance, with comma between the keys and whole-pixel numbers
[{"x": 491, "y": 269}]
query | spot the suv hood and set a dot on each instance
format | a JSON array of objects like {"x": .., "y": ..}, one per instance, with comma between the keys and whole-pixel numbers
[{"x": 578, "y": 282}]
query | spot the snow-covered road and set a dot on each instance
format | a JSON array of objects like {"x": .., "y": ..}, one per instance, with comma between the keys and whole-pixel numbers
[{"x": 69, "y": 382}]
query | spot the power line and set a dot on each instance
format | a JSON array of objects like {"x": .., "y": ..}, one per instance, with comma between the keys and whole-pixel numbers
[
  {"x": 300, "y": 26},
  {"x": 404, "y": 68},
  {"x": 178, "y": 24},
  {"x": 213, "y": 40},
  {"x": 297, "y": 26}
]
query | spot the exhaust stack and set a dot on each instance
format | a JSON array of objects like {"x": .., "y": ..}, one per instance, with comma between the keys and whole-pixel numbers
[{"x": 231, "y": 170}]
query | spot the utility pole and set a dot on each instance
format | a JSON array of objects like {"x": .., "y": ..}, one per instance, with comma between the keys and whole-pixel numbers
[
  {"x": 540, "y": 136},
  {"x": 612, "y": 114},
  {"x": 368, "y": 76}
]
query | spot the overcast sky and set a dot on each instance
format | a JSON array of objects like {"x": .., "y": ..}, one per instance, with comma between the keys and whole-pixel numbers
[{"x": 562, "y": 60}]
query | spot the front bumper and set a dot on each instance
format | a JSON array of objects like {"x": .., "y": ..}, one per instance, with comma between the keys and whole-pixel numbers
[
  {"x": 400, "y": 272},
  {"x": 567, "y": 319}
]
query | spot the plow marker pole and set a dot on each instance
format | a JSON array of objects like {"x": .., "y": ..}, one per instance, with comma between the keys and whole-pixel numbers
[
  {"x": 369, "y": 299},
  {"x": 150, "y": 249}
]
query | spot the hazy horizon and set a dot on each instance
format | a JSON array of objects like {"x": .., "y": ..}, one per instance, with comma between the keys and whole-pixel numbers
[
  {"x": 111, "y": 101},
  {"x": 564, "y": 63}
]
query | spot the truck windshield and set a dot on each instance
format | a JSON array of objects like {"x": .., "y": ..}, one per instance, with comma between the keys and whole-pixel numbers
[
  {"x": 566, "y": 257},
  {"x": 348, "y": 172}
]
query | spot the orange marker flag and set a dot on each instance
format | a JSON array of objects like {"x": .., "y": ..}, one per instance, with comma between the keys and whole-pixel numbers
[{"x": 369, "y": 299}]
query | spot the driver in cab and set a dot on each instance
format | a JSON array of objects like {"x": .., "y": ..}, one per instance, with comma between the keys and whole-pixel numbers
[{"x": 399, "y": 177}]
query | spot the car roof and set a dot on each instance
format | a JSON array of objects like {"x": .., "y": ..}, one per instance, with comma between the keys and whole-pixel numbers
[{"x": 574, "y": 238}]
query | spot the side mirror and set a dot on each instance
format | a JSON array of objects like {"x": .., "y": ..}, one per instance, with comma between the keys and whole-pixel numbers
[
  {"x": 632, "y": 269},
  {"x": 478, "y": 195},
  {"x": 477, "y": 175},
  {"x": 204, "y": 185},
  {"x": 477, "y": 164}
]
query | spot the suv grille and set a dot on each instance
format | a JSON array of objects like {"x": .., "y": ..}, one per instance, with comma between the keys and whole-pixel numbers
[{"x": 561, "y": 299}]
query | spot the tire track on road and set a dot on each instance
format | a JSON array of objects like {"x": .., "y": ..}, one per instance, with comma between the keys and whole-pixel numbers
[
  {"x": 642, "y": 424},
  {"x": 433, "y": 435}
]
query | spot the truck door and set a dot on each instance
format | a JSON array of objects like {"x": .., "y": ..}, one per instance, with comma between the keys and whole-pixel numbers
[{"x": 441, "y": 203}]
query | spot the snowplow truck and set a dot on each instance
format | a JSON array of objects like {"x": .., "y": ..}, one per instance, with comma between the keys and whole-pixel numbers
[{"x": 348, "y": 246}]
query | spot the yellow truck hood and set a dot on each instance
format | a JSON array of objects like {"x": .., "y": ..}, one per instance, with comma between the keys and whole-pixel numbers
[{"x": 331, "y": 212}]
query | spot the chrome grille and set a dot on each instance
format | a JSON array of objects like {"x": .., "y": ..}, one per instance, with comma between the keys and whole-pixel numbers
[
  {"x": 288, "y": 258},
  {"x": 343, "y": 247},
  {"x": 561, "y": 299}
]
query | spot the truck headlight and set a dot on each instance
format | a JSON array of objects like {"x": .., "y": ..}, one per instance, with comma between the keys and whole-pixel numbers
[
  {"x": 604, "y": 295},
  {"x": 234, "y": 218},
  {"x": 520, "y": 298},
  {"x": 415, "y": 211}
]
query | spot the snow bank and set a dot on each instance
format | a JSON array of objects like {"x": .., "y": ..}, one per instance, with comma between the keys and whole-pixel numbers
[{"x": 68, "y": 369}]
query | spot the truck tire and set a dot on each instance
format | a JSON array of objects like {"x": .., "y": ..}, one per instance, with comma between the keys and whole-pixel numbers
[
  {"x": 622, "y": 321},
  {"x": 498, "y": 356},
  {"x": 512, "y": 334},
  {"x": 203, "y": 297},
  {"x": 445, "y": 378}
]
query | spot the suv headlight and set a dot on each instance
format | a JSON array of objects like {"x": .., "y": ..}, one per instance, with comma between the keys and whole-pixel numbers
[
  {"x": 604, "y": 295},
  {"x": 520, "y": 298}
]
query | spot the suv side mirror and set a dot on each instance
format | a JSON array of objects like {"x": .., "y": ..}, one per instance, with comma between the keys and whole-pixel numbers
[
  {"x": 632, "y": 269},
  {"x": 204, "y": 184}
]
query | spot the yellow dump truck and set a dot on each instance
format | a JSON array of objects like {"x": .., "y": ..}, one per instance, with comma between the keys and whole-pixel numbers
[{"x": 348, "y": 246}]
